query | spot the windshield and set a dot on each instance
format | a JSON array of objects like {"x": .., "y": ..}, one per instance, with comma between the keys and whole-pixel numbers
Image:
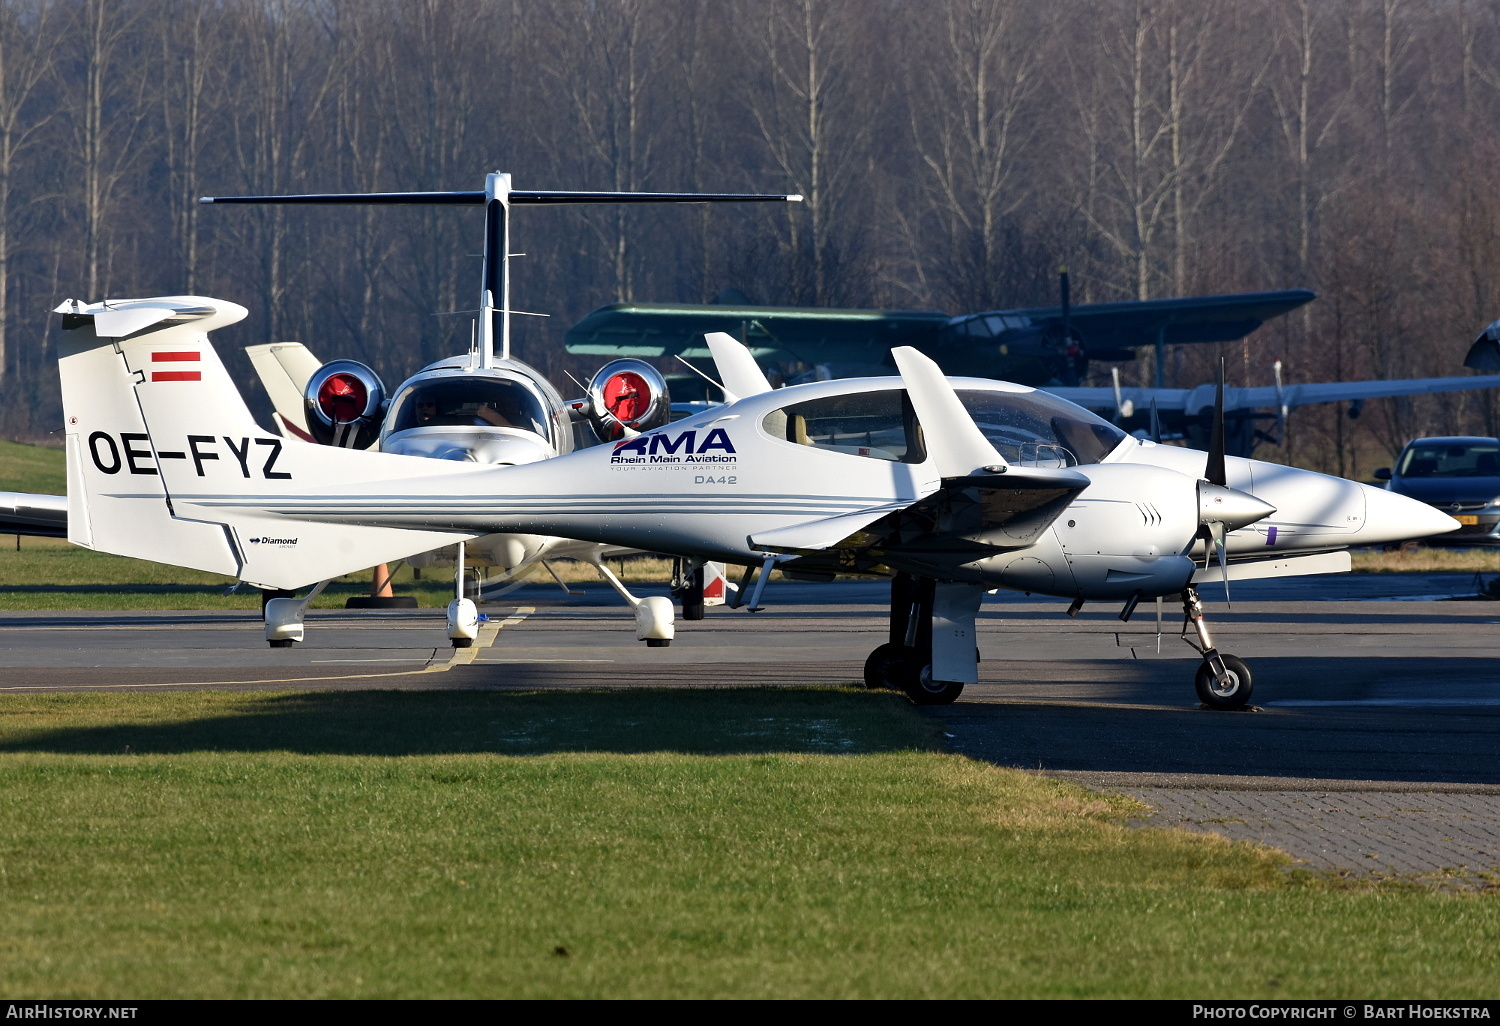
[
  {"x": 878, "y": 425},
  {"x": 469, "y": 402},
  {"x": 1035, "y": 429},
  {"x": 1470, "y": 459},
  {"x": 1030, "y": 429}
]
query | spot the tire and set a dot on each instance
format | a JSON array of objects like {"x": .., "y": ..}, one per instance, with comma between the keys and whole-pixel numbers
[
  {"x": 883, "y": 667},
  {"x": 462, "y": 642},
  {"x": 280, "y": 643},
  {"x": 691, "y": 596},
  {"x": 923, "y": 690},
  {"x": 1232, "y": 694}
]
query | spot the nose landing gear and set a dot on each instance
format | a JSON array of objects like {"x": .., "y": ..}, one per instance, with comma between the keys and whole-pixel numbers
[{"x": 1222, "y": 681}]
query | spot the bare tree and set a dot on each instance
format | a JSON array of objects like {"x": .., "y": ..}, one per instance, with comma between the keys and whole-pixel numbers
[
  {"x": 811, "y": 115},
  {"x": 980, "y": 65},
  {"x": 28, "y": 52}
]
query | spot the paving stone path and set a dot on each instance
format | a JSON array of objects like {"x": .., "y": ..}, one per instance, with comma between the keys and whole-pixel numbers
[{"x": 1440, "y": 837}]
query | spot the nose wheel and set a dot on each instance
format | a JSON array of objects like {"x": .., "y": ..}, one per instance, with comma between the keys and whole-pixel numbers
[
  {"x": 1226, "y": 689},
  {"x": 1222, "y": 681}
]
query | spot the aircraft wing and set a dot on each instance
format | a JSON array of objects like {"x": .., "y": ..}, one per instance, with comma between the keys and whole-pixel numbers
[
  {"x": 830, "y": 336},
  {"x": 34, "y": 515},
  {"x": 773, "y": 333},
  {"x": 1194, "y": 401},
  {"x": 1126, "y": 325}
]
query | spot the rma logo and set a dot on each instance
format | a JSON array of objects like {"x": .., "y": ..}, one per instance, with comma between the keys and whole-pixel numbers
[{"x": 684, "y": 444}]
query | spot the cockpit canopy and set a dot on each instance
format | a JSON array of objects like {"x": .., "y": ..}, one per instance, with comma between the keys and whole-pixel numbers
[
  {"x": 1035, "y": 429},
  {"x": 468, "y": 402},
  {"x": 1031, "y": 429}
]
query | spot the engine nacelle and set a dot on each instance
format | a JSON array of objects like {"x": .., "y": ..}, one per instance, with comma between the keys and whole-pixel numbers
[
  {"x": 628, "y": 392},
  {"x": 345, "y": 403}
]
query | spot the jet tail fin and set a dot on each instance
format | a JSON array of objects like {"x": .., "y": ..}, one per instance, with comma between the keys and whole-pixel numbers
[{"x": 284, "y": 369}]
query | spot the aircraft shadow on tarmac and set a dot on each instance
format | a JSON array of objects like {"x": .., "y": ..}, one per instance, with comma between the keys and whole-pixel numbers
[
  {"x": 1346, "y": 718},
  {"x": 391, "y": 723}
]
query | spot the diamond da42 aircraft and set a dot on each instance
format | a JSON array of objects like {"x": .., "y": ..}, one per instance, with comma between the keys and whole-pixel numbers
[{"x": 949, "y": 487}]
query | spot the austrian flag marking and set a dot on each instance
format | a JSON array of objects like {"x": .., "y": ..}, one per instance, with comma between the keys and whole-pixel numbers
[{"x": 164, "y": 356}]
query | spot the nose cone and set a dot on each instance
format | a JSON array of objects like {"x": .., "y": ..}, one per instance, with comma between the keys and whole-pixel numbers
[
  {"x": 1396, "y": 518},
  {"x": 1230, "y": 506}
]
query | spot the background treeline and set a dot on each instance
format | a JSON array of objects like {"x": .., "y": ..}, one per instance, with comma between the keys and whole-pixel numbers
[{"x": 953, "y": 153}]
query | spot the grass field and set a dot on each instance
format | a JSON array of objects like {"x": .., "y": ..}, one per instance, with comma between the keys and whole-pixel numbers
[
  {"x": 32, "y": 468},
  {"x": 49, "y": 573},
  {"x": 711, "y": 843}
]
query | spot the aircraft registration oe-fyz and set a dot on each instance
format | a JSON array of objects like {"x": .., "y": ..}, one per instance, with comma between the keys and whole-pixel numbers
[{"x": 949, "y": 487}]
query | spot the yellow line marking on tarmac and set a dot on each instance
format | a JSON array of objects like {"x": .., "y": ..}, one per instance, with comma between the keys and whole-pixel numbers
[
  {"x": 461, "y": 657},
  {"x": 405, "y": 659}
]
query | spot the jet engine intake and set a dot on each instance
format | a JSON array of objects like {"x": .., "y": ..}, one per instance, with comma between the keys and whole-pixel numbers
[
  {"x": 628, "y": 394},
  {"x": 345, "y": 403}
]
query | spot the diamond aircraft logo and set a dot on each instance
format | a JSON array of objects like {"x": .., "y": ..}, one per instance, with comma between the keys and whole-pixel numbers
[{"x": 682, "y": 448}]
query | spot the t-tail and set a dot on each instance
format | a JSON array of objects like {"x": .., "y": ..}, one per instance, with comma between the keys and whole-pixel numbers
[{"x": 126, "y": 365}]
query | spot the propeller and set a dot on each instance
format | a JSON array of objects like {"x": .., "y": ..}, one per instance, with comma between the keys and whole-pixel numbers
[
  {"x": 1073, "y": 349},
  {"x": 1281, "y": 407},
  {"x": 1124, "y": 408},
  {"x": 1067, "y": 305},
  {"x": 1214, "y": 472},
  {"x": 1155, "y": 422},
  {"x": 1222, "y": 509}
]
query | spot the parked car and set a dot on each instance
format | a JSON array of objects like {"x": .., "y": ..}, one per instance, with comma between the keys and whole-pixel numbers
[{"x": 1459, "y": 475}]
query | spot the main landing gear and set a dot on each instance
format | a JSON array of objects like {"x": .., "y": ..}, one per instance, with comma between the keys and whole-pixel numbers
[
  {"x": 1222, "y": 681},
  {"x": 687, "y": 587},
  {"x": 931, "y": 653}
]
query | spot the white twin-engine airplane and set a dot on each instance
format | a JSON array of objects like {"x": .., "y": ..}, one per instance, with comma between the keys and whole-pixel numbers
[{"x": 948, "y": 487}]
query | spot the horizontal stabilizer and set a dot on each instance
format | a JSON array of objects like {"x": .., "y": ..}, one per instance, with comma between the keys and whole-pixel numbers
[
  {"x": 34, "y": 515},
  {"x": 126, "y": 318}
]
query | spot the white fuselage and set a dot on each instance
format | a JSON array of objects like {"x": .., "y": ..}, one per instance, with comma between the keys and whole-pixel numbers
[{"x": 705, "y": 485}]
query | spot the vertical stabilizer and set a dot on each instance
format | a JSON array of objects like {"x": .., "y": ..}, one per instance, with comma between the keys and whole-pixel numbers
[
  {"x": 116, "y": 500},
  {"x": 174, "y": 469}
]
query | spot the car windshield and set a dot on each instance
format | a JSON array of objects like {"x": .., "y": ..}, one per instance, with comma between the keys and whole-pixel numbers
[
  {"x": 1470, "y": 459},
  {"x": 469, "y": 402}
]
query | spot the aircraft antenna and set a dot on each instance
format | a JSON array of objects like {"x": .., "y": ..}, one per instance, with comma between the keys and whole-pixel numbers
[{"x": 695, "y": 370}]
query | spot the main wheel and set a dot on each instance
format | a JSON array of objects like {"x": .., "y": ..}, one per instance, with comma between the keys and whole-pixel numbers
[
  {"x": 1231, "y": 691},
  {"x": 691, "y": 596},
  {"x": 923, "y": 690},
  {"x": 885, "y": 667}
]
